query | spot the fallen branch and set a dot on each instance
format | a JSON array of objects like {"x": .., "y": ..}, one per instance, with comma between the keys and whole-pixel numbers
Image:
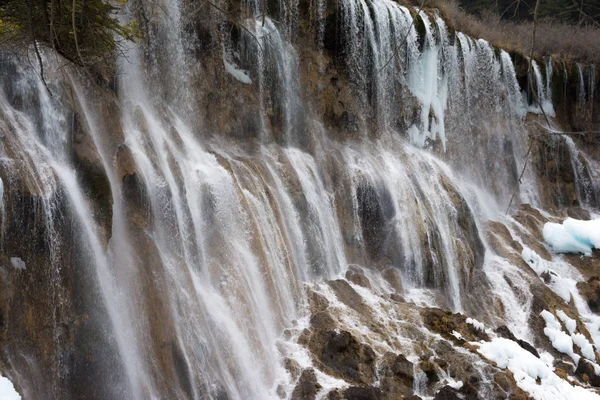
[{"x": 404, "y": 39}]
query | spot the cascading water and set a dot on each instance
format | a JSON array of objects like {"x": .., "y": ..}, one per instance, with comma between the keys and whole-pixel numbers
[{"x": 198, "y": 251}]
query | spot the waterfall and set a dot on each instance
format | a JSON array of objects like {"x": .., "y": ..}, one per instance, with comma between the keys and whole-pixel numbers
[{"x": 189, "y": 242}]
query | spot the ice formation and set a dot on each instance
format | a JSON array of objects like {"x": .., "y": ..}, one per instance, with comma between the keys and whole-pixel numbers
[
  {"x": 7, "y": 390},
  {"x": 237, "y": 73},
  {"x": 573, "y": 236}
]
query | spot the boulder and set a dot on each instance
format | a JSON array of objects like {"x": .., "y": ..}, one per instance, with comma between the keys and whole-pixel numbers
[
  {"x": 363, "y": 393},
  {"x": 341, "y": 355},
  {"x": 356, "y": 275},
  {"x": 307, "y": 386},
  {"x": 586, "y": 373}
]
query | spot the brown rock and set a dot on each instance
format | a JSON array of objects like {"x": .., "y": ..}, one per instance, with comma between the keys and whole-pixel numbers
[
  {"x": 363, "y": 393},
  {"x": 590, "y": 291},
  {"x": 307, "y": 386},
  {"x": 322, "y": 321},
  {"x": 429, "y": 369},
  {"x": 348, "y": 296},
  {"x": 393, "y": 277},
  {"x": 356, "y": 275},
  {"x": 292, "y": 366},
  {"x": 341, "y": 355},
  {"x": 447, "y": 393},
  {"x": 586, "y": 373},
  {"x": 396, "y": 375}
]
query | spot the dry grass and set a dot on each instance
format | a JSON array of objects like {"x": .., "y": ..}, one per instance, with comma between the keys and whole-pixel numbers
[{"x": 562, "y": 41}]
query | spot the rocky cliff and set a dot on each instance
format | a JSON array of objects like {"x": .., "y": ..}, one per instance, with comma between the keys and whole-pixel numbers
[{"x": 309, "y": 203}]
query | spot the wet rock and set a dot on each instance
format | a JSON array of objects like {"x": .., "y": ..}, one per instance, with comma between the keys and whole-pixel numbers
[
  {"x": 393, "y": 277},
  {"x": 466, "y": 392},
  {"x": 317, "y": 301},
  {"x": 579, "y": 213},
  {"x": 334, "y": 395},
  {"x": 397, "y": 298},
  {"x": 348, "y": 296},
  {"x": 586, "y": 373},
  {"x": 375, "y": 209},
  {"x": 590, "y": 291},
  {"x": 292, "y": 367},
  {"x": 447, "y": 393},
  {"x": 563, "y": 368},
  {"x": 341, "y": 355},
  {"x": 322, "y": 321},
  {"x": 356, "y": 275},
  {"x": 504, "y": 332},
  {"x": 445, "y": 323},
  {"x": 396, "y": 375},
  {"x": 363, "y": 393},
  {"x": 307, "y": 386},
  {"x": 281, "y": 392},
  {"x": 430, "y": 370},
  {"x": 499, "y": 236}
]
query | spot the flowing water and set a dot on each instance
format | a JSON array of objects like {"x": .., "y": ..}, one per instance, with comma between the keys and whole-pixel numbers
[{"x": 202, "y": 261}]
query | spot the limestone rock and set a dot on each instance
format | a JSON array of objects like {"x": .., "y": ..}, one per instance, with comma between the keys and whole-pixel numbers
[
  {"x": 340, "y": 354},
  {"x": 307, "y": 386}
]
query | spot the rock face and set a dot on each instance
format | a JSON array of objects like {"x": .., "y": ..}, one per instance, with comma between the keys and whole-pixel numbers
[
  {"x": 341, "y": 355},
  {"x": 590, "y": 290},
  {"x": 307, "y": 387},
  {"x": 183, "y": 233}
]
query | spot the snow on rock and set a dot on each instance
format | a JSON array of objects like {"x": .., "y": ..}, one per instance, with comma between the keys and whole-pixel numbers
[
  {"x": 573, "y": 236},
  {"x": 560, "y": 340},
  {"x": 237, "y": 73},
  {"x": 563, "y": 342},
  {"x": 476, "y": 324},
  {"x": 7, "y": 390},
  {"x": 527, "y": 368},
  {"x": 534, "y": 260},
  {"x": 570, "y": 323},
  {"x": 587, "y": 350},
  {"x": 17, "y": 263}
]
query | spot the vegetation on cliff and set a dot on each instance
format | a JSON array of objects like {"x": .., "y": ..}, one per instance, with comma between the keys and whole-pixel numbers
[
  {"x": 84, "y": 32},
  {"x": 559, "y": 32},
  {"x": 579, "y": 12}
]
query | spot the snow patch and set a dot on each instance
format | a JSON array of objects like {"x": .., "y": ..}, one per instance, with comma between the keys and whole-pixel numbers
[
  {"x": 476, "y": 324},
  {"x": 7, "y": 390},
  {"x": 587, "y": 350},
  {"x": 457, "y": 385},
  {"x": 527, "y": 368},
  {"x": 570, "y": 323},
  {"x": 533, "y": 260},
  {"x": 573, "y": 236},
  {"x": 17, "y": 263},
  {"x": 563, "y": 342},
  {"x": 233, "y": 70},
  {"x": 560, "y": 340}
]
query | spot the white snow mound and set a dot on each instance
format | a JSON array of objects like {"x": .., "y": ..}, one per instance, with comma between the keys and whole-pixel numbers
[{"x": 527, "y": 368}]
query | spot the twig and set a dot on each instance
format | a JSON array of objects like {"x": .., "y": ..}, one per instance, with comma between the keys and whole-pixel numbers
[
  {"x": 35, "y": 48},
  {"x": 404, "y": 39},
  {"x": 530, "y": 86},
  {"x": 228, "y": 14},
  {"x": 75, "y": 34}
]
